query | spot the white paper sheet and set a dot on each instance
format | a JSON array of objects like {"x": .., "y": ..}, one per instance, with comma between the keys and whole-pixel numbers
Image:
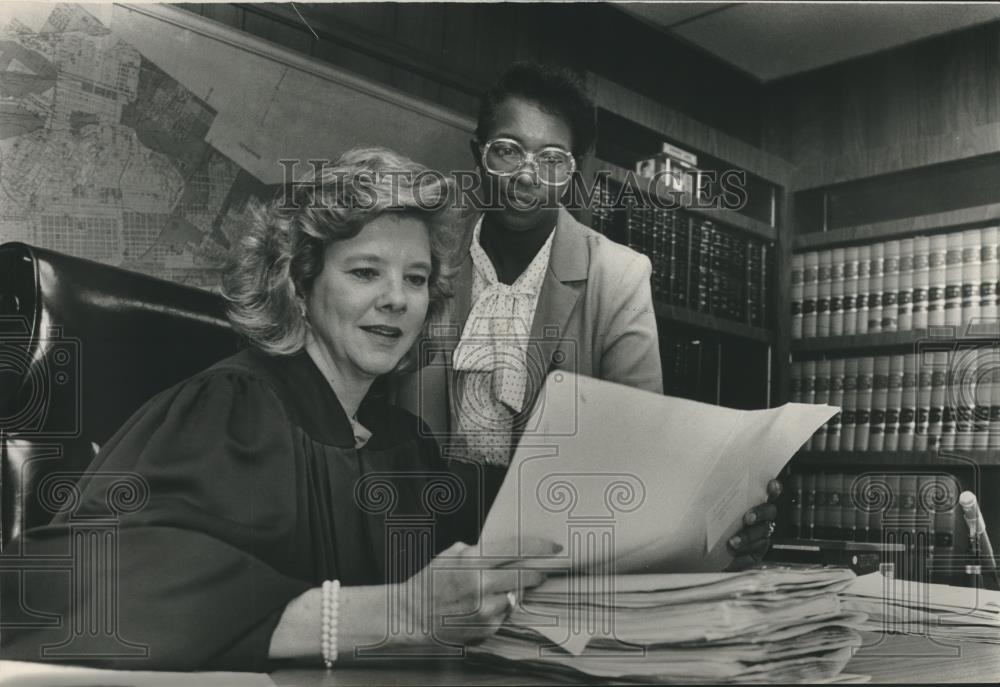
[
  {"x": 25, "y": 674},
  {"x": 654, "y": 483}
]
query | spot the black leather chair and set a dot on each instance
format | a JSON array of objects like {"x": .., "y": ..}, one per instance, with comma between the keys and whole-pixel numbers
[{"x": 82, "y": 346}]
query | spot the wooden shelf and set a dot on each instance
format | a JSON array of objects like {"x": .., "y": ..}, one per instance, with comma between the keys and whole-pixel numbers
[
  {"x": 728, "y": 217},
  {"x": 874, "y": 341},
  {"x": 951, "y": 458},
  {"x": 985, "y": 333},
  {"x": 716, "y": 324},
  {"x": 896, "y": 228}
]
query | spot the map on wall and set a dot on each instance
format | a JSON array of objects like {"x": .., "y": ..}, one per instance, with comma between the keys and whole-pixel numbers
[
  {"x": 103, "y": 155},
  {"x": 128, "y": 138}
]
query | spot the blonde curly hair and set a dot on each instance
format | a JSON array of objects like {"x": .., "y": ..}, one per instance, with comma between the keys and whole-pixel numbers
[{"x": 281, "y": 253}]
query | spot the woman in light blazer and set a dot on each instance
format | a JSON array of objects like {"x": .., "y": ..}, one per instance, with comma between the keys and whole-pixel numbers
[{"x": 535, "y": 290}]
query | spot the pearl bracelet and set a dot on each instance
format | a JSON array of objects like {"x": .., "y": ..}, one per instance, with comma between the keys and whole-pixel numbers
[{"x": 328, "y": 621}]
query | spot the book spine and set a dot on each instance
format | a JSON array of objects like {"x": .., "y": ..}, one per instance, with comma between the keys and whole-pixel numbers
[
  {"x": 761, "y": 292},
  {"x": 994, "y": 423},
  {"x": 797, "y": 293},
  {"x": 835, "y": 507},
  {"x": 972, "y": 272},
  {"x": 822, "y": 396},
  {"x": 810, "y": 291},
  {"x": 921, "y": 281},
  {"x": 848, "y": 302},
  {"x": 908, "y": 403},
  {"x": 864, "y": 284},
  {"x": 926, "y": 493},
  {"x": 963, "y": 395},
  {"x": 853, "y": 517},
  {"x": 834, "y": 427},
  {"x": 880, "y": 396},
  {"x": 680, "y": 252},
  {"x": 890, "y": 287},
  {"x": 877, "y": 485},
  {"x": 953, "y": 279},
  {"x": 837, "y": 292},
  {"x": 658, "y": 250},
  {"x": 824, "y": 289},
  {"x": 950, "y": 408},
  {"x": 946, "y": 519},
  {"x": 847, "y": 416},
  {"x": 809, "y": 505},
  {"x": 809, "y": 391},
  {"x": 876, "y": 282},
  {"x": 857, "y": 503},
  {"x": 985, "y": 373},
  {"x": 904, "y": 294},
  {"x": 700, "y": 289},
  {"x": 891, "y": 514},
  {"x": 821, "y": 527},
  {"x": 939, "y": 382},
  {"x": 907, "y": 528},
  {"x": 796, "y": 506},
  {"x": 862, "y": 417},
  {"x": 937, "y": 279},
  {"x": 795, "y": 382},
  {"x": 894, "y": 402},
  {"x": 989, "y": 275},
  {"x": 924, "y": 385}
]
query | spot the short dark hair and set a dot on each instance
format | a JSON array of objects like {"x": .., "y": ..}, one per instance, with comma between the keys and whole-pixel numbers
[{"x": 555, "y": 88}]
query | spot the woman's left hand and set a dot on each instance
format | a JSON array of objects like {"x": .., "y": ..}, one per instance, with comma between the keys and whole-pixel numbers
[{"x": 748, "y": 546}]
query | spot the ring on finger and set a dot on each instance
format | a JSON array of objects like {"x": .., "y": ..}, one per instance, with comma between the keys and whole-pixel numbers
[{"x": 770, "y": 529}]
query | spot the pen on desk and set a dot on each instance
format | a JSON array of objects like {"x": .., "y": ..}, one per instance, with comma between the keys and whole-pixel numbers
[{"x": 978, "y": 538}]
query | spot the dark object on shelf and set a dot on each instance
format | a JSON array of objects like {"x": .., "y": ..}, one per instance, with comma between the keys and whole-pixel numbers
[{"x": 861, "y": 557}]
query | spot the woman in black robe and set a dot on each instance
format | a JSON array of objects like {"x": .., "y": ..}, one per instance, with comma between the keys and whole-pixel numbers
[{"x": 258, "y": 479}]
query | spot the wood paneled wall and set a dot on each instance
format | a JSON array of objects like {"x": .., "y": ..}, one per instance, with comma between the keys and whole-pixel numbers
[
  {"x": 449, "y": 52},
  {"x": 932, "y": 101}
]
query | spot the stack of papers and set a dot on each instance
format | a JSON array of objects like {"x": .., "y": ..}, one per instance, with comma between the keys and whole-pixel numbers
[
  {"x": 771, "y": 625},
  {"x": 935, "y": 610},
  {"x": 656, "y": 484}
]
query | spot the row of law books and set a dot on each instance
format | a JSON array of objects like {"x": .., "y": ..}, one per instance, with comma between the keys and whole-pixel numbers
[
  {"x": 690, "y": 366},
  {"x": 908, "y": 402},
  {"x": 697, "y": 264},
  {"x": 876, "y": 508},
  {"x": 901, "y": 285}
]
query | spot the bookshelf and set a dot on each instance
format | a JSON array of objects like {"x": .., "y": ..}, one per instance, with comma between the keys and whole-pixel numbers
[
  {"x": 897, "y": 228},
  {"x": 875, "y": 459},
  {"x": 932, "y": 249},
  {"x": 725, "y": 328},
  {"x": 730, "y": 218},
  {"x": 672, "y": 313},
  {"x": 900, "y": 204}
]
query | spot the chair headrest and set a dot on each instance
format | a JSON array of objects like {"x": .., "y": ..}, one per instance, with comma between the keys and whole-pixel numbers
[{"x": 83, "y": 345}]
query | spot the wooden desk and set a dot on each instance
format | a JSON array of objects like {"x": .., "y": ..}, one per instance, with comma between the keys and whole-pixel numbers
[{"x": 889, "y": 658}]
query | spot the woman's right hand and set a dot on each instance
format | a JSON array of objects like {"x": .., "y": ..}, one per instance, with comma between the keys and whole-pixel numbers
[{"x": 460, "y": 598}]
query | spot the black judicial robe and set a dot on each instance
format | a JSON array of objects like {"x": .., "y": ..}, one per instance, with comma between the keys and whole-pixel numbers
[{"x": 238, "y": 490}]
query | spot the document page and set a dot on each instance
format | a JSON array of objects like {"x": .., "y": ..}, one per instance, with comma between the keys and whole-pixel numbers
[
  {"x": 24, "y": 674},
  {"x": 637, "y": 481}
]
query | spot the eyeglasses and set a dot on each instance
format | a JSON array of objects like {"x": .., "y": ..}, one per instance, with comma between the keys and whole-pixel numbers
[{"x": 505, "y": 157}]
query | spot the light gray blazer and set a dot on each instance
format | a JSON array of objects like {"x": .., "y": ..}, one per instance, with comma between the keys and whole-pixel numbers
[{"x": 594, "y": 317}]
